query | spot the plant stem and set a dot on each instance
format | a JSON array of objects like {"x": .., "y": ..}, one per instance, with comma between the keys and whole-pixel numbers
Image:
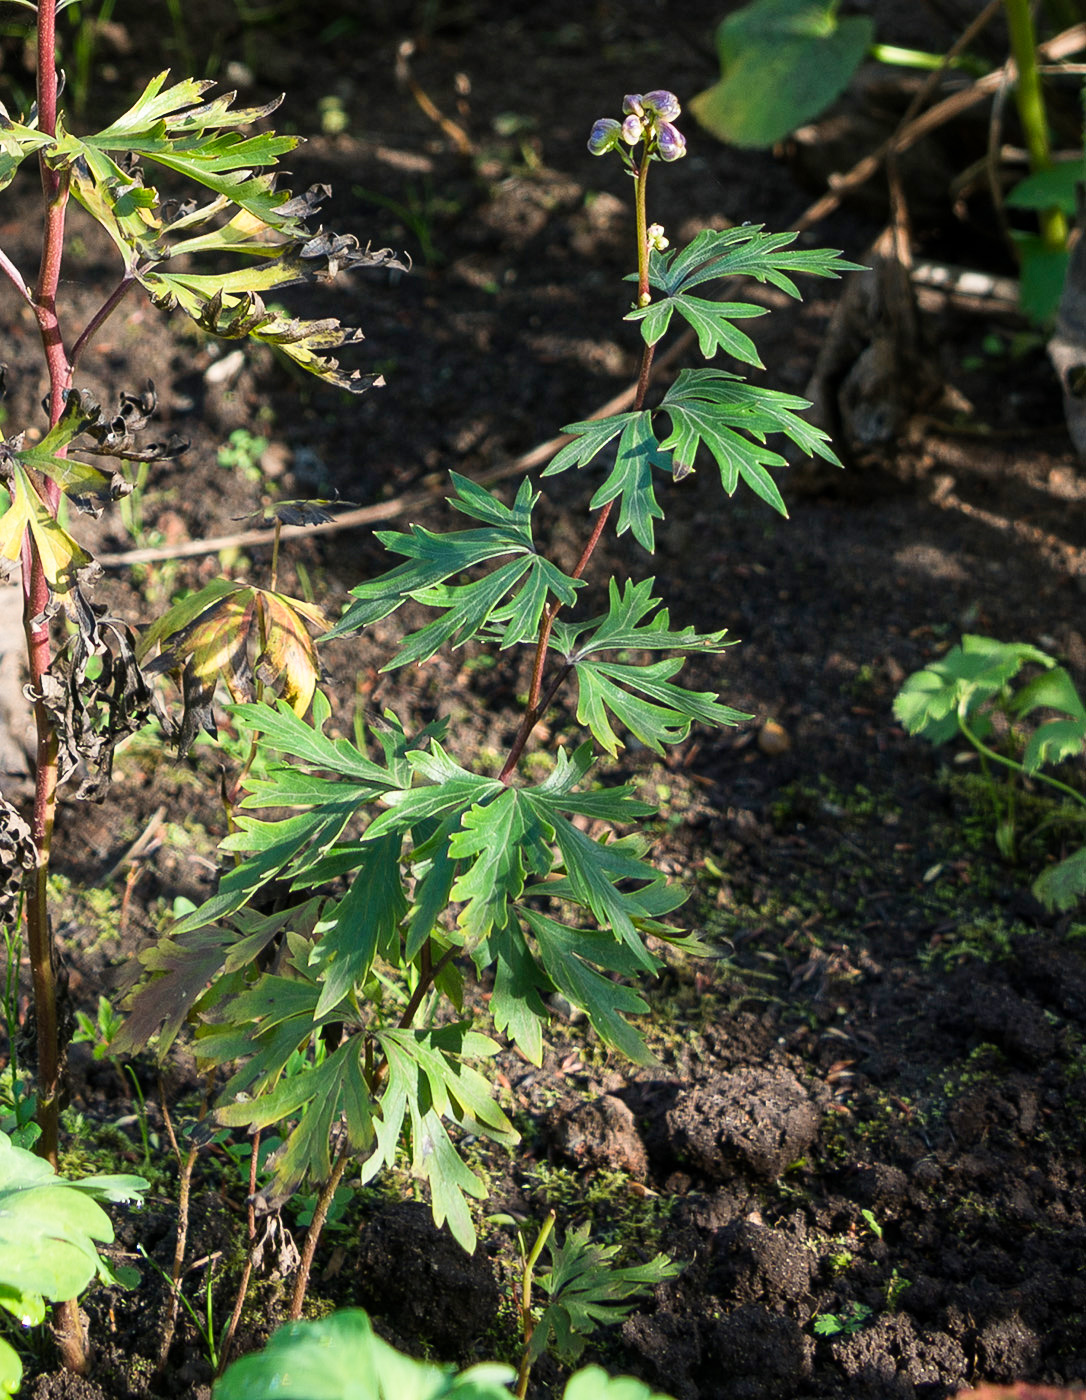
[
  {"x": 1031, "y": 111},
  {"x": 985, "y": 752},
  {"x": 186, "y": 1164},
  {"x": 527, "y": 1326},
  {"x": 535, "y": 709},
  {"x": 68, "y": 1324},
  {"x": 313, "y": 1234},
  {"x": 104, "y": 312},
  {"x": 246, "y": 1273}
]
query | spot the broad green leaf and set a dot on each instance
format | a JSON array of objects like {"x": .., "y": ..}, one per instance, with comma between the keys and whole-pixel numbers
[
  {"x": 50, "y": 1228},
  {"x": 1055, "y": 740},
  {"x": 11, "y": 1368},
  {"x": 341, "y": 1358},
  {"x": 961, "y": 682},
  {"x": 1050, "y": 189},
  {"x": 1062, "y": 887},
  {"x": 782, "y": 63},
  {"x": 592, "y": 1383}
]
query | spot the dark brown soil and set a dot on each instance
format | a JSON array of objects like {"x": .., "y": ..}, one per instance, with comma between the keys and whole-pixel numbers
[{"x": 869, "y": 1107}]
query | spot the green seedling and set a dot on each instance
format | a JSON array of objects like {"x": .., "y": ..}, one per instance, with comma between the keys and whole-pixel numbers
[
  {"x": 847, "y": 1323},
  {"x": 962, "y": 695}
]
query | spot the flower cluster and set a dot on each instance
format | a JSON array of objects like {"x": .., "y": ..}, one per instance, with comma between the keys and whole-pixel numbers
[{"x": 648, "y": 117}]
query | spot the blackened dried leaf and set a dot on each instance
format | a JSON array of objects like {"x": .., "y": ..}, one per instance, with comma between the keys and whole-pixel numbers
[
  {"x": 17, "y": 857},
  {"x": 300, "y": 512},
  {"x": 303, "y": 206},
  {"x": 92, "y": 713}
]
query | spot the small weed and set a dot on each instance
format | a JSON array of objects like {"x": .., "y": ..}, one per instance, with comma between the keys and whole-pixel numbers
[{"x": 846, "y": 1323}]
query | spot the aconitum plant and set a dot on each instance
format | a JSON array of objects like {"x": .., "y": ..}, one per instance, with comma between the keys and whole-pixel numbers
[{"x": 338, "y": 1018}]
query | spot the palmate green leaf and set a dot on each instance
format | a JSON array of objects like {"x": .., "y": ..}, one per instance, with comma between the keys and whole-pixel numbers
[
  {"x": 658, "y": 712},
  {"x": 499, "y": 843},
  {"x": 630, "y": 478},
  {"x": 745, "y": 251},
  {"x": 631, "y": 482},
  {"x": 711, "y": 407},
  {"x": 586, "y": 1290},
  {"x": 594, "y": 870},
  {"x": 712, "y": 320},
  {"x": 516, "y": 1002},
  {"x": 428, "y": 1081},
  {"x": 634, "y": 619},
  {"x": 318, "y": 1096},
  {"x": 589, "y": 440},
  {"x": 286, "y": 733},
  {"x": 643, "y": 699},
  {"x": 362, "y": 925},
  {"x": 203, "y": 141},
  {"x": 571, "y": 957},
  {"x": 448, "y": 790},
  {"x": 174, "y": 127},
  {"x": 514, "y": 594}
]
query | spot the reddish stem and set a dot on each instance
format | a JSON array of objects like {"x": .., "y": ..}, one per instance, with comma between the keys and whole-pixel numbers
[{"x": 67, "y": 1323}]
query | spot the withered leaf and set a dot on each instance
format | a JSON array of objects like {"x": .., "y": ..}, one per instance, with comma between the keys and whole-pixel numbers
[
  {"x": 93, "y": 708},
  {"x": 297, "y": 512},
  {"x": 234, "y": 632},
  {"x": 17, "y": 857}
]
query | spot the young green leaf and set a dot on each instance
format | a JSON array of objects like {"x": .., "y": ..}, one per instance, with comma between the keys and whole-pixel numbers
[{"x": 587, "y": 1290}]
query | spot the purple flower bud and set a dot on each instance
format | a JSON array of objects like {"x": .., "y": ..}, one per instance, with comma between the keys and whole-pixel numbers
[
  {"x": 670, "y": 142},
  {"x": 632, "y": 130},
  {"x": 631, "y": 104},
  {"x": 604, "y": 136},
  {"x": 664, "y": 104}
]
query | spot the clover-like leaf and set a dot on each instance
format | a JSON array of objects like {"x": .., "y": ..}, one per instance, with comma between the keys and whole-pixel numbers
[{"x": 960, "y": 683}]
